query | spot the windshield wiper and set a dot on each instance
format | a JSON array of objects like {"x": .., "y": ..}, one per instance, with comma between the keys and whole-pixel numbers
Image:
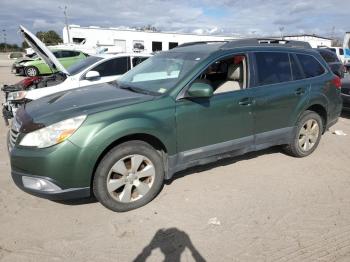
[{"x": 138, "y": 90}]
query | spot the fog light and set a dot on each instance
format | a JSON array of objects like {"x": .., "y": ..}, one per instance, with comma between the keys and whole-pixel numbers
[{"x": 39, "y": 184}]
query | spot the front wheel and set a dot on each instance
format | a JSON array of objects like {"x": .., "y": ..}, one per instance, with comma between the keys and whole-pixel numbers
[
  {"x": 31, "y": 71},
  {"x": 129, "y": 176},
  {"x": 307, "y": 136}
]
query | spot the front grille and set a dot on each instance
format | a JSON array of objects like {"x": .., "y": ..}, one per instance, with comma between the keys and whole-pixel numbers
[
  {"x": 14, "y": 133},
  {"x": 13, "y": 138}
]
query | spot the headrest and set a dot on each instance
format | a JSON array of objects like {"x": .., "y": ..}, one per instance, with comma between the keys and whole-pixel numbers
[{"x": 234, "y": 72}]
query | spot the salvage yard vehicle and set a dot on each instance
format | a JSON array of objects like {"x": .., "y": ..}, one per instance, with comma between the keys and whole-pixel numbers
[
  {"x": 38, "y": 66},
  {"x": 180, "y": 108},
  {"x": 333, "y": 61},
  {"x": 96, "y": 69}
]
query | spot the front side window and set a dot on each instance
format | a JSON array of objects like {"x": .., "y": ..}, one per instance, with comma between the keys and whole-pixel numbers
[
  {"x": 116, "y": 66},
  {"x": 273, "y": 67},
  {"x": 310, "y": 65},
  {"x": 83, "y": 64},
  {"x": 226, "y": 75}
]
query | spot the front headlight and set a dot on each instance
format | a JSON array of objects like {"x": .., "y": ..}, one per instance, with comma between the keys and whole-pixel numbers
[
  {"x": 53, "y": 134},
  {"x": 16, "y": 95}
]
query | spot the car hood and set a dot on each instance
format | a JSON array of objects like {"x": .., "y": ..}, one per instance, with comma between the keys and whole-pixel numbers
[
  {"x": 43, "y": 52},
  {"x": 81, "y": 101}
]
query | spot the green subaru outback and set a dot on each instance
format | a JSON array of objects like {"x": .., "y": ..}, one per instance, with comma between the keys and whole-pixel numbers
[{"x": 188, "y": 106}]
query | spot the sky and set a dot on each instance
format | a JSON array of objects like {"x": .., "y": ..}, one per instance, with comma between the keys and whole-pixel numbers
[{"x": 221, "y": 17}]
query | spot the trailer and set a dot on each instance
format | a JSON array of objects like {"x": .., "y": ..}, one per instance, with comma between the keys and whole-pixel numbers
[{"x": 114, "y": 40}]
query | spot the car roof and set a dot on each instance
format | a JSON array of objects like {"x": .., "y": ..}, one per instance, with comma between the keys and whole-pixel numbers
[
  {"x": 121, "y": 55},
  {"x": 255, "y": 43}
]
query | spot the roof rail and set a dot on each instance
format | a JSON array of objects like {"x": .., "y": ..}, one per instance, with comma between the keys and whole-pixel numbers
[
  {"x": 265, "y": 42},
  {"x": 201, "y": 43}
]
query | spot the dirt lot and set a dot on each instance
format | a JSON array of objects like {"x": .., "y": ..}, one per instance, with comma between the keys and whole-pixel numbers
[{"x": 271, "y": 207}]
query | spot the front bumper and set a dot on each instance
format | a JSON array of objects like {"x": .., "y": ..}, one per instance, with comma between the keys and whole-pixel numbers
[
  {"x": 19, "y": 70},
  {"x": 62, "y": 193},
  {"x": 64, "y": 165}
]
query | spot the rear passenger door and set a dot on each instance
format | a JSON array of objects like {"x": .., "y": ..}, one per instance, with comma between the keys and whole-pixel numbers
[
  {"x": 109, "y": 71},
  {"x": 278, "y": 93}
]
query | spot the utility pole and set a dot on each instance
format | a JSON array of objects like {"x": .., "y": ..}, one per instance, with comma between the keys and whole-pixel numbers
[
  {"x": 4, "y": 35},
  {"x": 66, "y": 21},
  {"x": 281, "y": 31}
]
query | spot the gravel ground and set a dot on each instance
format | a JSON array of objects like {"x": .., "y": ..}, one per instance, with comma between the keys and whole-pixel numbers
[{"x": 263, "y": 206}]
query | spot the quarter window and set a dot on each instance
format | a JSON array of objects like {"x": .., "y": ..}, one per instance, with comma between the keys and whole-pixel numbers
[
  {"x": 310, "y": 65},
  {"x": 138, "y": 60},
  {"x": 273, "y": 67}
]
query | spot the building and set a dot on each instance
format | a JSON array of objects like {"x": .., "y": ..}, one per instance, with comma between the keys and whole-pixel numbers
[
  {"x": 131, "y": 40},
  {"x": 314, "y": 40}
]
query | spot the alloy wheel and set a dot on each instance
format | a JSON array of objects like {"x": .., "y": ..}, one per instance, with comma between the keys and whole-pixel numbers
[
  {"x": 130, "y": 178},
  {"x": 308, "y": 135}
]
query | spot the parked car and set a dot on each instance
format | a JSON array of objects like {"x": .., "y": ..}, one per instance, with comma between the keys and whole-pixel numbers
[
  {"x": 180, "y": 108},
  {"x": 39, "y": 67},
  {"x": 17, "y": 63},
  {"x": 345, "y": 93},
  {"x": 97, "y": 69},
  {"x": 332, "y": 60}
]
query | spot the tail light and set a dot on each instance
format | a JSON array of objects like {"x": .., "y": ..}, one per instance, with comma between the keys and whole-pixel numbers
[{"x": 337, "y": 82}]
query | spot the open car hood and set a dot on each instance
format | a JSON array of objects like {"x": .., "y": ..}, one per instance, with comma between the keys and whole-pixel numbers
[{"x": 43, "y": 52}]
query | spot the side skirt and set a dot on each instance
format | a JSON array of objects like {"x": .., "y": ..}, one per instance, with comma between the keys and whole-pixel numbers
[{"x": 236, "y": 147}]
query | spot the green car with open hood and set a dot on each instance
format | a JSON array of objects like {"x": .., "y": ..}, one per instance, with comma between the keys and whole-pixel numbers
[{"x": 188, "y": 106}]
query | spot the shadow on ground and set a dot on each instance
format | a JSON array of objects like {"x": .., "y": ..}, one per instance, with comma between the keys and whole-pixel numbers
[{"x": 172, "y": 243}]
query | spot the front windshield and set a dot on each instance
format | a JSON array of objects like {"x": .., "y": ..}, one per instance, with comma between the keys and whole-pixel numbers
[
  {"x": 161, "y": 72},
  {"x": 80, "y": 66}
]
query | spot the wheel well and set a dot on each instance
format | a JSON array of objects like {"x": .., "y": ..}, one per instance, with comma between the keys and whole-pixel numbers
[
  {"x": 321, "y": 111},
  {"x": 152, "y": 140}
]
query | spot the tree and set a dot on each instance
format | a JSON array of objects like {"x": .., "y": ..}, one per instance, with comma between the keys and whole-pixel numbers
[{"x": 49, "y": 37}]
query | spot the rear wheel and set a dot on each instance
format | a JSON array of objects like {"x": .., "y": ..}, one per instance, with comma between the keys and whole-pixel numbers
[
  {"x": 129, "y": 176},
  {"x": 31, "y": 71},
  {"x": 307, "y": 136}
]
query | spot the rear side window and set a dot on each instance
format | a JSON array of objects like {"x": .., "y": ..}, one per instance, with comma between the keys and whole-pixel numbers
[
  {"x": 116, "y": 66},
  {"x": 310, "y": 65},
  {"x": 69, "y": 53},
  {"x": 138, "y": 60},
  {"x": 273, "y": 67}
]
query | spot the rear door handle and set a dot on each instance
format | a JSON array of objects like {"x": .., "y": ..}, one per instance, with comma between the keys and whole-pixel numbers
[
  {"x": 245, "y": 101},
  {"x": 300, "y": 91}
]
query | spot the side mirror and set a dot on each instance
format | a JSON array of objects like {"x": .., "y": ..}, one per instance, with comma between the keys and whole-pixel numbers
[
  {"x": 200, "y": 90},
  {"x": 92, "y": 75}
]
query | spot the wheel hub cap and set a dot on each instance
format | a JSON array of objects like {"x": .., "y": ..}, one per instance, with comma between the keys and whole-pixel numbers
[{"x": 308, "y": 135}]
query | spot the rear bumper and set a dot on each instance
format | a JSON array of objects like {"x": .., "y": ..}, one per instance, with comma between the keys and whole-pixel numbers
[
  {"x": 346, "y": 101},
  {"x": 61, "y": 194}
]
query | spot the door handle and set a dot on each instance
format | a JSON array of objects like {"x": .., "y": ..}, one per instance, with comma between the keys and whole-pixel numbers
[
  {"x": 245, "y": 101},
  {"x": 300, "y": 91}
]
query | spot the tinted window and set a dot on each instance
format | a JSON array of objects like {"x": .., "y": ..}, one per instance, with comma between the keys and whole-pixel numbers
[
  {"x": 138, "y": 60},
  {"x": 329, "y": 56},
  {"x": 273, "y": 67},
  {"x": 296, "y": 70},
  {"x": 341, "y": 51},
  {"x": 116, "y": 66},
  {"x": 310, "y": 65},
  {"x": 66, "y": 53},
  {"x": 83, "y": 64},
  {"x": 57, "y": 54}
]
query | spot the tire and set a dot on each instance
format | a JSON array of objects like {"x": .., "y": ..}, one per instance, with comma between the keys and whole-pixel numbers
[
  {"x": 307, "y": 136},
  {"x": 129, "y": 176},
  {"x": 31, "y": 71}
]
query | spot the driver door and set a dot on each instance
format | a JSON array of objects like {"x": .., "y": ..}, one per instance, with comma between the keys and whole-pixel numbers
[{"x": 221, "y": 123}]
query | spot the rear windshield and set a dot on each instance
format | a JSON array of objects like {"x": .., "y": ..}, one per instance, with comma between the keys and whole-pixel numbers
[{"x": 80, "y": 66}]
